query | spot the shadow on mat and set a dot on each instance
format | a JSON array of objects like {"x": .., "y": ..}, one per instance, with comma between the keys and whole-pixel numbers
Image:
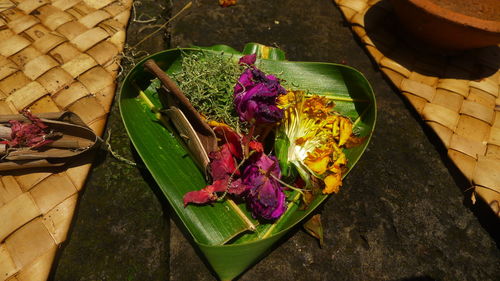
[
  {"x": 389, "y": 37},
  {"x": 388, "y": 41}
]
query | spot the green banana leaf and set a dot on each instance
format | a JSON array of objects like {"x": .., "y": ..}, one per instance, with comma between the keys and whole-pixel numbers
[{"x": 225, "y": 232}]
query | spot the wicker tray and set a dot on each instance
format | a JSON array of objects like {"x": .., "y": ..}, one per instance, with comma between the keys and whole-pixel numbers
[
  {"x": 54, "y": 55},
  {"x": 457, "y": 96}
]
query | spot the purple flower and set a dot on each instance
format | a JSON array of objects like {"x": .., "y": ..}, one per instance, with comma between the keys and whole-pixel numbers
[
  {"x": 248, "y": 59},
  {"x": 255, "y": 97},
  {"x": 244, "y": 82},
  {"x": 265, "y": 196}
]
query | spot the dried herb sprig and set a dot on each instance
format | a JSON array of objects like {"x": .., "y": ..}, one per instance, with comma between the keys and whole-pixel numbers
[{"x": 208, "y": 82}]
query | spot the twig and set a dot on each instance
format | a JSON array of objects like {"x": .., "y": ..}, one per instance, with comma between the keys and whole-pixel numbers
[
  {"x": 148, "y": 27},
  {"x": 299, "y": 190},
  {"x": 115, "y": 154},
  {"x": 188, "y": 5},
  {"x": 137, "y": 19}
]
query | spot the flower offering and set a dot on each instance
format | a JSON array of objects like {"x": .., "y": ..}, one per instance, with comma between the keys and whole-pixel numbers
[
  {"x": 269, "y": 140},
  {"x": 309, "y": 138}
]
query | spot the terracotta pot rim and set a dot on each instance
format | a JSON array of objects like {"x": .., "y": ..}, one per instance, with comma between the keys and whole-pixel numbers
[{"x": 455, "y": 17}]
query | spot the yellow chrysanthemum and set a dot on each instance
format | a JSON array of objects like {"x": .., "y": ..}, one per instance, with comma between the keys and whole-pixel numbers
[{"x": 316, "y": 134}]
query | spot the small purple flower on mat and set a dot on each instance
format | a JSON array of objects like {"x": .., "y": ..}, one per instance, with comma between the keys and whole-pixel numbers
[
  {"x": 265, "y": 196},
  {"x": 255, "y": 97},
  {"x": 248, "y": 59},
  {"x": 32, "y": 134}
]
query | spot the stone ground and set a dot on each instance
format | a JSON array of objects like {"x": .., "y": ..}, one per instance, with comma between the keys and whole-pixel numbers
[{"x": 403, "y": 213}]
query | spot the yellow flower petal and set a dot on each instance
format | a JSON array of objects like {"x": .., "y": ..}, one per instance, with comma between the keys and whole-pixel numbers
[
  {"x": 213, "y": 123},
  {"x": 318, "y": 106},
  {"x": 341, "y": 160},
  {"x": 345, "y": 130},
  {"x": 333, "y": 182},
  {"x": 335, "y": 126},
  {"x": 288, "y": 99},
  {"x": 317, "y": 165}
]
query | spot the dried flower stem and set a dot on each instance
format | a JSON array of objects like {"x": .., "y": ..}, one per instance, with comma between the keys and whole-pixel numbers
[
  {"x": 299, "y": 190},
  {"x": 231, "y": 179}
]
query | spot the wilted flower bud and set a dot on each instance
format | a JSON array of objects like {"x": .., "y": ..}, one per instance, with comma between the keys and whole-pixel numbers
[{"x": 248, "y": 59}]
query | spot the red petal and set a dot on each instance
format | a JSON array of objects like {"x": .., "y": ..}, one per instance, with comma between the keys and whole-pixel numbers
[
  {"x": 257, "y": 146},
  {"x": 231, "y": 138},
  {"x": 219, "y": 185},
  {"x": 237, "y": 187},
  {"x": 222, "y": 163},
  {"x": 200, "y": 196}
]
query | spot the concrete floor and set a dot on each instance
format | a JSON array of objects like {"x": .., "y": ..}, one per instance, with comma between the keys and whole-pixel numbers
[{"x": 402, "y": 214}]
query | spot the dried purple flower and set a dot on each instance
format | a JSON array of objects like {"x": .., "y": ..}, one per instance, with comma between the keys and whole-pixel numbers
[
  {"x": 255, "y": 97},
  {"x": 265, "y": 196}
]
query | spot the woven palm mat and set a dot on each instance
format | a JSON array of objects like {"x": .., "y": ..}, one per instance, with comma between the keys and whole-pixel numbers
[
  {"x": 457, "y": 96},
  {"x": 54, "y": 55}
]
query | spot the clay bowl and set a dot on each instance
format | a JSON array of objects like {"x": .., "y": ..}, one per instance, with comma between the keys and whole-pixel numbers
[{"x": 451, "y": 24}]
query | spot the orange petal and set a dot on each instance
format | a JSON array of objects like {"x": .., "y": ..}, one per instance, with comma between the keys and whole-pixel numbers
[
  {"x": 333, "y": 182},
  {"x": 341, "y": 161},
  {"x": 318, "y": 165},
  {"x": 345, "y": 130},
  {"x": 227, "y": 3}
]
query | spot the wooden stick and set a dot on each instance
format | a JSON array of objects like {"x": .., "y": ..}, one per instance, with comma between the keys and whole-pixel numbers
[{"x": 171, "y": 87}]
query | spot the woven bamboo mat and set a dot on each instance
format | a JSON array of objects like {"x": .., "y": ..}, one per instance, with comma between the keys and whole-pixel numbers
[
  {"x": 457, "y": 96},
  {"x": 54, "y": 55}
]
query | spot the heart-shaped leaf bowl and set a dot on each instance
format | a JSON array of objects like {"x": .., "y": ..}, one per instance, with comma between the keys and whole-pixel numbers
[{"x": 225, "y": 232}]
